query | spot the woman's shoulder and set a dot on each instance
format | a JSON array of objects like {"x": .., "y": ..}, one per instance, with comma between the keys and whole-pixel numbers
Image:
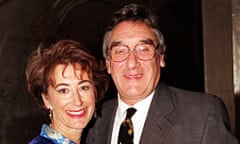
[{"x": 40, "y": 140}]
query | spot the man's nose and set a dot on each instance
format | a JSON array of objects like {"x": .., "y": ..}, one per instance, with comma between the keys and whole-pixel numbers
[{"x": 132, "y": 60}]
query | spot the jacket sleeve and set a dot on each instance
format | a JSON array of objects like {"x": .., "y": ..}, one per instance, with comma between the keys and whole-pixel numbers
[{"x": 217, "y": 128}]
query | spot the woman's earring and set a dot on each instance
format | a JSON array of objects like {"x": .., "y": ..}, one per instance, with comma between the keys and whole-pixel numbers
[{"x": 51, "y": 114}]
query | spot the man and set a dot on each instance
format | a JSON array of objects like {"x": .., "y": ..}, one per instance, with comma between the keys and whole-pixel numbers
[{"x": 134, "y": 50}]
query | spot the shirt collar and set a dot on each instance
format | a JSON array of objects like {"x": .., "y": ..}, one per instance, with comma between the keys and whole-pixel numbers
[
  {"x": 122, "y": 106},
  {"x": 52, "y": 134}
]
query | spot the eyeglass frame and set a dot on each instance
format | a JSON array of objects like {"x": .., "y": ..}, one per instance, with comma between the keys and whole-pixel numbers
[{"x": 155, "y": 47}]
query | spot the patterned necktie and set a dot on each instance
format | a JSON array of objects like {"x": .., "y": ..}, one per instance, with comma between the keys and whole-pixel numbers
[{"x": 126, "y": 129}]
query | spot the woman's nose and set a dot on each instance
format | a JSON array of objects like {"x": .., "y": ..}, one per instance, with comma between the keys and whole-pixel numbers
[{"x": 77, "y": 99}]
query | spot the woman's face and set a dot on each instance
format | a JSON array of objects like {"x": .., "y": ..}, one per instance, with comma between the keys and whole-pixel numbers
[{"x": 71, "y": 98}]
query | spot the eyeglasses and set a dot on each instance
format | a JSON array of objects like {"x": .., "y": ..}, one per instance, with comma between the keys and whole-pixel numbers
[{"x": 142, "y": 51}]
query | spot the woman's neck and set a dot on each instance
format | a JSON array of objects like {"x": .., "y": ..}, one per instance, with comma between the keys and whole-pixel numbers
[{"x": 72, "y": 134}]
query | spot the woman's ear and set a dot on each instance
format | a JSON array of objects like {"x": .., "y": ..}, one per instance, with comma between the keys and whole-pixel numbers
[{"x": 46, "y": 101}]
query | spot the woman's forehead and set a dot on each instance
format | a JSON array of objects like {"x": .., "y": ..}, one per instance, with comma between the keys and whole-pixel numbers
[{"x": 62, "y": 71}]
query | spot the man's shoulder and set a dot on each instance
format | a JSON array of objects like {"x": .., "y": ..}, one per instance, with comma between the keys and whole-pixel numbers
[
  {"x": 106, "y": 109},
  {"x": 192, "y": 95},
  {"x": 196, "y": 100},
  {"x": 109, "y": 104}
]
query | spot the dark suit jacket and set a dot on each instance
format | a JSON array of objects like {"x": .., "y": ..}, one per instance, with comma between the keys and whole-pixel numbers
[{"x": 175, "y": 117}]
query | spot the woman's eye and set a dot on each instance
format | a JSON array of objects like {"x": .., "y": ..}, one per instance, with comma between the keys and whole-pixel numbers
[
  {"x": 85, "y": 87},
  {"x": 62, "y": 91}
]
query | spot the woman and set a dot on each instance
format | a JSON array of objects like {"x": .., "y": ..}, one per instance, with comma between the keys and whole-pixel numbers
[{"x": 66, "y": 81}]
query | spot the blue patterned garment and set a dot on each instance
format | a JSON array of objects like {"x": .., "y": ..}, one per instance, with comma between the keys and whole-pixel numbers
[{"x": 50, "y": 136}]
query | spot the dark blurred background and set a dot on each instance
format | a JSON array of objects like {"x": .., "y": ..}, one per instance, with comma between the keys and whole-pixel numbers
[{"x": 24, "y": 24}]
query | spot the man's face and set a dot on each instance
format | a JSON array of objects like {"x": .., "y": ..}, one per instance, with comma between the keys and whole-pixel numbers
[{"x": 135, "y": 79}]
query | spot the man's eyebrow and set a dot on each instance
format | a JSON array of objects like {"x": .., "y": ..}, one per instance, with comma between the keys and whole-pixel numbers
[
  {"x": 115, "y": 43},
  {"x": 147, "y": 41}
]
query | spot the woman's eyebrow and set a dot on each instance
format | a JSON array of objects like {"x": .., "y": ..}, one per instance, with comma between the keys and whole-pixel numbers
[
  {"x": 85, "y": 81},
  {"x": 61, "y": 84}
]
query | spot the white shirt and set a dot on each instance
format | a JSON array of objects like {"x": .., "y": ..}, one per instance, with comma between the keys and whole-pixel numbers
[{"x": 138, "y": 119}]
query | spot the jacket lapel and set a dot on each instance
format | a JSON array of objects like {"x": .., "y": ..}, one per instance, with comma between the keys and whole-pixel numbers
[
  {"x": 104, "y": 124},
  {"x": 111, "y": 121},
  {"x": 161, "y": 117}
]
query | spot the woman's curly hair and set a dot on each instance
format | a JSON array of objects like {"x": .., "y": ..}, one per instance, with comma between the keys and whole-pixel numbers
[{"x": 45, "y": 58}]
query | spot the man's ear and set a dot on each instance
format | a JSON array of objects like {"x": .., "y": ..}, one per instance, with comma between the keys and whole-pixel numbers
[
  {"x": 161, "y": 60},
  {"x": 108, "y": 65}
]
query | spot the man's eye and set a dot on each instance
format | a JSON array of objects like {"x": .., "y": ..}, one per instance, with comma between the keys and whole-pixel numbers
[
  {"x": 119, "y": 50},
  {"x": 144, "y": 48}
]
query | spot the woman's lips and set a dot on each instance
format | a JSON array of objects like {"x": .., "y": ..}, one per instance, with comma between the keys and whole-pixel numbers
[{"x": 77, "y": 113}]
